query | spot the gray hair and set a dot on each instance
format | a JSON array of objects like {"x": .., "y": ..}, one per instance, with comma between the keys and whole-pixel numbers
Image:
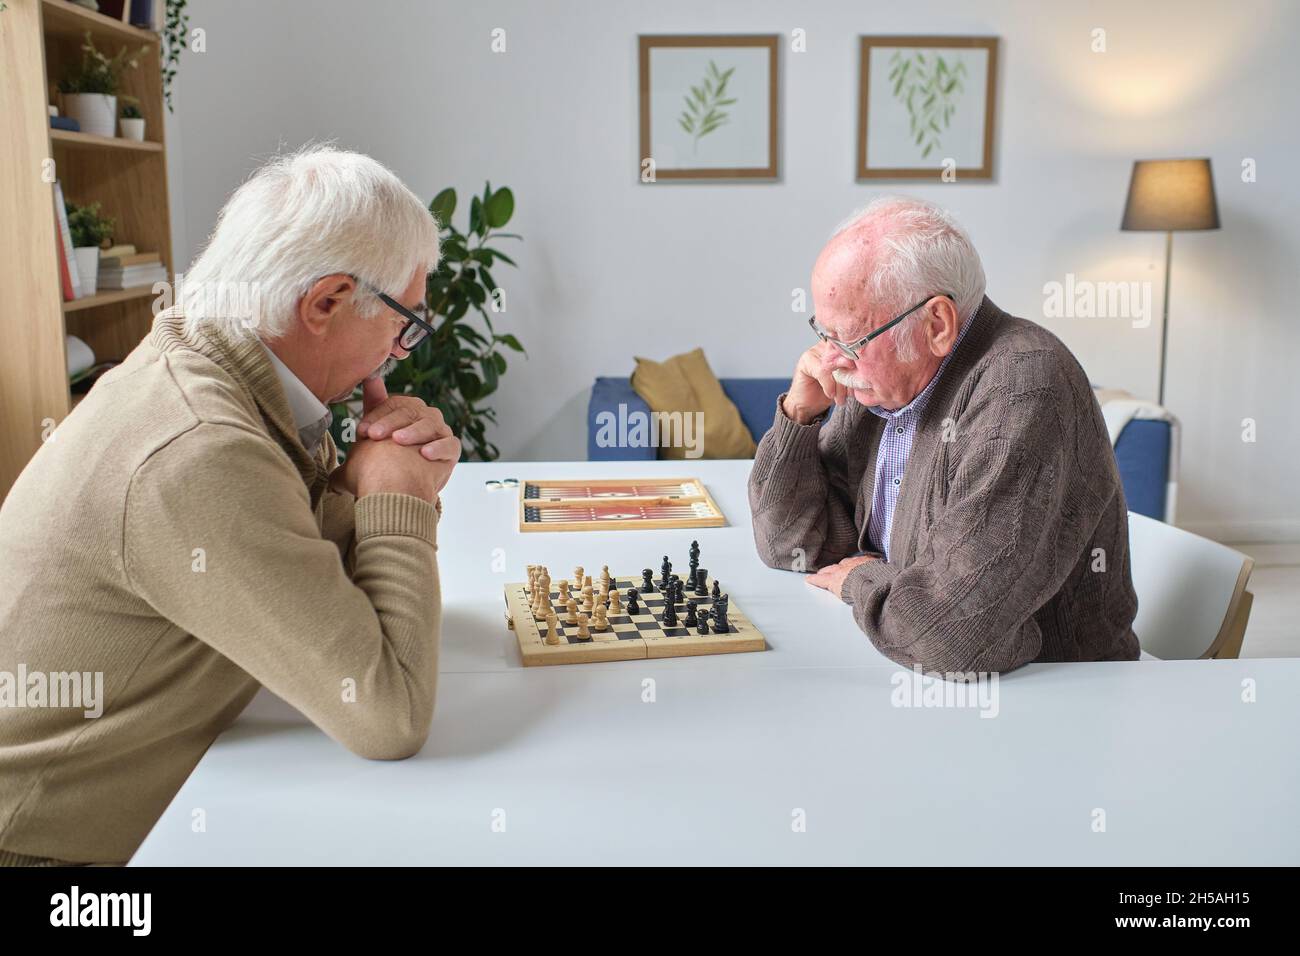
[
  {"x": 301, "y": 216},
  {"x": 925, "y": 252}
]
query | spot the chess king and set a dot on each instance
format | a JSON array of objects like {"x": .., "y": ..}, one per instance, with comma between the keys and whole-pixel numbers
[
  {"x": 942, "y": 466},
  {"x": 190, "y": 534}
]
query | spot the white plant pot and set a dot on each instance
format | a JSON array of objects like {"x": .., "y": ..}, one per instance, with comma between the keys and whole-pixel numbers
[
  {"x": 133, "y": 128},
  {"x": 87, "y": 268},
  {"x": 96, "y": 112}
]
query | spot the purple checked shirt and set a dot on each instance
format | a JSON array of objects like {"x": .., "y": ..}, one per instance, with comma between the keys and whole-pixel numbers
[{"x": 895, "y": 447}]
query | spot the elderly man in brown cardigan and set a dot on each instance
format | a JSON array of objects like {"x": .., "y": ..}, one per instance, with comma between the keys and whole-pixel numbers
[{"x": 943, "y": 466}]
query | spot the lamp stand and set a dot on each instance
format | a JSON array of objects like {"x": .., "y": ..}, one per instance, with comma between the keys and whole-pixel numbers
[{"x": 1164, "y": 320}]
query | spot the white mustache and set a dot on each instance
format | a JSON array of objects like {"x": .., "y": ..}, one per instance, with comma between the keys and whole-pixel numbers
[
  {"x": 383, "y": 370},
  {"x": 849, "y": 380}
]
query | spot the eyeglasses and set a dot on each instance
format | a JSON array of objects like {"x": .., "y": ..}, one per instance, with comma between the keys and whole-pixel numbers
[
  {"x": 851, "y": 349},
  {"x": 417, "y": 319}
]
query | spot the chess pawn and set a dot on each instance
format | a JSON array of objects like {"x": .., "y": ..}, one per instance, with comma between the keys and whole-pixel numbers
[
  {"x": 604, "y": 577},
  {"x": 573, "y": 612},
  {"x": 600, "y": 622},
  {"x": 615, "y": 604},
  {"x": 588, "y": 597},
  {"x": 632, "y": 606},
  {"x": 564, "y": 591},
  {"x": 543, "y": 592},
  {"x": 577, "y": 577},
  {"x": 552, "y": 627},
  {"x": 583, "y": 633}
]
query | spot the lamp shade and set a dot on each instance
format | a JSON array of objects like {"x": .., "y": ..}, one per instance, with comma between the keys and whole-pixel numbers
[{"x": 1171, "y": 195}]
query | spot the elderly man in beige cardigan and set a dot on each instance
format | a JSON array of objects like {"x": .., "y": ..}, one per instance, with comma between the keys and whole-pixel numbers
[
  {"x": 963, "y": 496},
  {"x": 187, "y": 535}
]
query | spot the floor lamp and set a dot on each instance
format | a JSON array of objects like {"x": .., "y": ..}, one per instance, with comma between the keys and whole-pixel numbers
[{"x": 1170, "y": 195}]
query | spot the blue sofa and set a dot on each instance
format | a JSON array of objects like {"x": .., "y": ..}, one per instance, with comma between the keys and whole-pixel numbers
[{"x": 1142, "y": 451}]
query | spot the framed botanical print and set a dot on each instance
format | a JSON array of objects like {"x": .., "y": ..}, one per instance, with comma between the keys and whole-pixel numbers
[
  {"x": 926, "y": 107},
  {"x": 708, "y": 107}
]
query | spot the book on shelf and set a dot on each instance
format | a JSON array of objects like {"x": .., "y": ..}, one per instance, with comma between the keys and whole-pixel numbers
[
  {"x": 107, "y": 261},
  {"x": 65, "y": 234},
  {"x": 65, "y": 122},
  {"x": 116, "y": 279},
  {"x": 65, "y": 277},
  {"x": 119, "y": 249}
]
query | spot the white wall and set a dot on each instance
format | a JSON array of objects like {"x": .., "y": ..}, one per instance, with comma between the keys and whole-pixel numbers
[{"x": 613, "y": 268}]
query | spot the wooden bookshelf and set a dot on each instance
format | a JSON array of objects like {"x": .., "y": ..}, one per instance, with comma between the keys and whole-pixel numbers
[{"x": 40, "y": 40}]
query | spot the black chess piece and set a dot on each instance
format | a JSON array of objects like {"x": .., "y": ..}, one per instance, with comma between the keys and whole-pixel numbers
[
  {"x": 703, "y": 626},
  {"x": 720, "y": 614},
  {"x": 701, "y": 582},
  {"x": 716, "y": 591},
  {"x": 691, "y": 620},
  {"x": 647, "y": 581},
  {"x": 666, "y": 568},
  {"x": 695, "y": 564},
  {"x": 670, "y": 614},
  {"x": 632, "y": 606}
]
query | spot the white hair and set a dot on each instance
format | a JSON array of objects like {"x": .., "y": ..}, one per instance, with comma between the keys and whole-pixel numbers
[
  {"x": 301, "y": 216},
  {"x": 923, "y": 252}
]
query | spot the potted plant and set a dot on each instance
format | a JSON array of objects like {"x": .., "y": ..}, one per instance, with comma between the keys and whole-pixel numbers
[
  {"x": 90, "y": 230},
  {"x": 132, "y": 121},
  {"x": 457, "y": 366},
  {"x": 90, "y": 89}
]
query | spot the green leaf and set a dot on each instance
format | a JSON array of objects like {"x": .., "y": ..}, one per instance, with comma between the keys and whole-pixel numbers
[
  {"x": 443, "y": 205},
  {"x": 509, "y": 341},
  {"x": 476, "y": 215},
  {"x": 500, "y": 207},
  {"x": 502, "y": 256}
]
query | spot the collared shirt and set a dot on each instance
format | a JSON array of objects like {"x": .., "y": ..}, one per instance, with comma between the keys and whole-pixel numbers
[
  {"x": 310, "y": 414},
  {"x": 895, "y": 448}
]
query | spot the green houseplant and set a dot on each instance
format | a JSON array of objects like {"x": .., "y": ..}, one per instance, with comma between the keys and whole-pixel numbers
[
  {"x": 89, "y": 229},
  {"x": 131, "y": 121},
  {"x": 458, "y": 366},
  {"x": 90, "y": 88}
]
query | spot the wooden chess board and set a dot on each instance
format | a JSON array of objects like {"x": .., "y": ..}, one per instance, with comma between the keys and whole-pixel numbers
[
  {"x": 630, "y": 636},
  {"x": 616, "y": 504}
]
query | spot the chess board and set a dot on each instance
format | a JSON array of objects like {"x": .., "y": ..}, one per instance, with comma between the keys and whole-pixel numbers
[
  {"x": 630, "y": 636},
  {"x": 616, "y": 504}
]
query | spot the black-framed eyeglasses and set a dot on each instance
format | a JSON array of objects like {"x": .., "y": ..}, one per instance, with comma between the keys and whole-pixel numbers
[
  {"x": 417, "y": 319},
  {"x": 851, "y": 349}
]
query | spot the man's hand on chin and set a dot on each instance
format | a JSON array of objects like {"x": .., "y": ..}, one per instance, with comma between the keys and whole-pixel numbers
[
  {"x": 405, "y": 419},
  {"x": 409, "y": 422},
  {"x": 832, "y": 576}
]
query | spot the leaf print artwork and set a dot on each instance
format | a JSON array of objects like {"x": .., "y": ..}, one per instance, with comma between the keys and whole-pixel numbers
[
  {"x": 928, "y": 87},
  {"x": 704, "y": 112}
]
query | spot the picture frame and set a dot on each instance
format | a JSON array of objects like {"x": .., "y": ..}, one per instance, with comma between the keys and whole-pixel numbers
[
  {"x": 708, "y": 106},
  {"x": 927, "y": 107}
]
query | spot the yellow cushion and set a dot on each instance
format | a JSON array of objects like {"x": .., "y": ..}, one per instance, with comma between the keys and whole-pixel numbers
[{"x": 686, "y": 384}]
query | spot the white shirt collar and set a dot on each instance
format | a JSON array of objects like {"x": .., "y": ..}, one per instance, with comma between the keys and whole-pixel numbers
[{"x": 309, "y": 412}]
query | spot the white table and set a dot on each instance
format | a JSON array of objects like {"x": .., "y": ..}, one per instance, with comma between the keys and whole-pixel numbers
[{"x": 569, "y": 764}]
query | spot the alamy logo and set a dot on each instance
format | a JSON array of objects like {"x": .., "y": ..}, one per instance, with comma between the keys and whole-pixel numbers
[
  {"x": 78, "y": 689},
  {"x": 1085, "y": 299},
  {"x": 103, "y": 909},
  {"x": 962, "y": 689},
  {"x": 651, "y": 430}
]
